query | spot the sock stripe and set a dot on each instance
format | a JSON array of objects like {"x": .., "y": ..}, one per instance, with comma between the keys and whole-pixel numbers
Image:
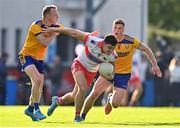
[
  {"x": 60, "y": 101},
  {"x": 77, "y": 113}
]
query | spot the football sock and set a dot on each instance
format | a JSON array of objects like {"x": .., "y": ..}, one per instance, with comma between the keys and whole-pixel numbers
[
  {"x": 77, "y": 114},
  {"x": 30, "y": 108},
  {"x": 36, "y": 106},
  {"x": 83, "y": 115}
]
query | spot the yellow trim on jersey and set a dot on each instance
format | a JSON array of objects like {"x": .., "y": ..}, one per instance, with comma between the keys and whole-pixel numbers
[{"x": 125, "y": 50}]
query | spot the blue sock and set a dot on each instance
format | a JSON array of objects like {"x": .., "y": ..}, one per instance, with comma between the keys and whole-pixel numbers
[
  {"x": 83, "y": 115},
  {"x": 30, "y": 108},
  {"x": 36, "y": 106}
]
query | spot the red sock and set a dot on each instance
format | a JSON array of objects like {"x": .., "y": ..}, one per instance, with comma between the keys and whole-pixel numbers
[
  {"x": 60, "y": 101},
  {"x": 77, "y": 113}
]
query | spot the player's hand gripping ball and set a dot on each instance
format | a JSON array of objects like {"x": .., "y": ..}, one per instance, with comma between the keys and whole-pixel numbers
[{"x": 106, "y": 70}]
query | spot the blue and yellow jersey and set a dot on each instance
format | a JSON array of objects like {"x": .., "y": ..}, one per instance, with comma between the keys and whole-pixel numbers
[
  {"x": 33, "y": 47},
  {"x": 125, "y": 50}
]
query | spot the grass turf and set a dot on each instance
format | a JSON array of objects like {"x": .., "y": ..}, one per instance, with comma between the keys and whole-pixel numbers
[{"x": 13, "y": 116}]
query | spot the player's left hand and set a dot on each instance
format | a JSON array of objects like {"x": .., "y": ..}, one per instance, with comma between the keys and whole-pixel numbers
[
  {"x": 48, "y": 29},
  {"x": 156, "y": 71}
]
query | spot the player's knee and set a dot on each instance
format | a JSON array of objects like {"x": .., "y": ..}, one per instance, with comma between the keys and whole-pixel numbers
[{"x": 38, "y": 81}]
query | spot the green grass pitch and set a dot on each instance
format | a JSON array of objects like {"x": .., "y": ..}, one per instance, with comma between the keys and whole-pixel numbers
[{"x": 124, "y": 117}]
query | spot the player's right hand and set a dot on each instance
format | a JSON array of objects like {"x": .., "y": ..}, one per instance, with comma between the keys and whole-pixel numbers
[{"x": 95, "y": 33}]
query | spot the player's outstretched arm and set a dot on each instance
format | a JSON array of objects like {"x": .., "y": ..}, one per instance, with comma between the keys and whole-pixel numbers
[
  {"x": 80, "y": 35},
  {"x": 155, "y": 68}
]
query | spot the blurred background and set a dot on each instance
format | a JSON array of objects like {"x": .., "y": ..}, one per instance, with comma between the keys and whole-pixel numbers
[{"x": 155, "y": 22}]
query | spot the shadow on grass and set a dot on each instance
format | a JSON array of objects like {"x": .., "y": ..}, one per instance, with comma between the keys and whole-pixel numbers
[
  {"x": 58, "y": 122},
  {"x": 115, "y": 124},
  {"x": 139, "y": 123}
]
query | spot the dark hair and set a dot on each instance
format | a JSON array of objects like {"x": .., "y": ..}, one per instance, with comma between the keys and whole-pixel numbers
[
  {"x": 119, "y": 21},
  {"x": 47, "y": 9},
  {"x": 110, "y": 39}
]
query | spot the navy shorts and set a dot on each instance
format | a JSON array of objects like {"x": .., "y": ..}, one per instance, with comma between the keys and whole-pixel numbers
[
  {"x": 28, "y": 60},
  {"x": 121, "y": 80}
]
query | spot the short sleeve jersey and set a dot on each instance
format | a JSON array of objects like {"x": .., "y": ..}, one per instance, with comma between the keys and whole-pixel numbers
[
  {"x": 125, "y": 50},
  {"x": 33, "y": 47}
]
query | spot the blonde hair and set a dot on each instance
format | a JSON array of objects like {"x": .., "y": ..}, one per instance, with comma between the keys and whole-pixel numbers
[
  {"x": 118, "y": 21},
  {"x": 46, "y": 10}
]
